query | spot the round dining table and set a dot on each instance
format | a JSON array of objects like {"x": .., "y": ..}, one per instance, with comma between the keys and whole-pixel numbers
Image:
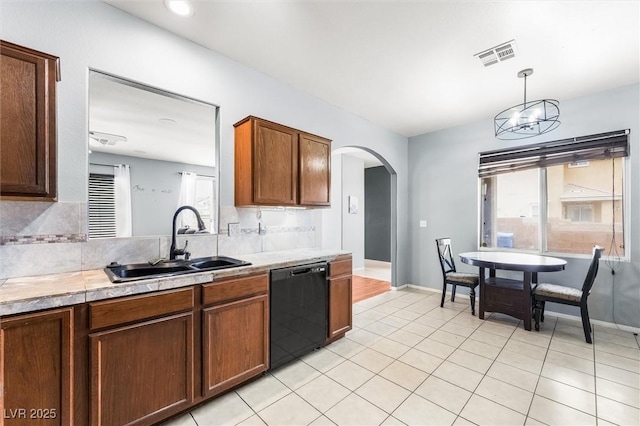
[{"x": 505, "y": 295}]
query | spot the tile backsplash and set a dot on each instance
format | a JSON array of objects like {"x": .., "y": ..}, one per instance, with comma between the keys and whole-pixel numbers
[{"x": 42, "y": 238}]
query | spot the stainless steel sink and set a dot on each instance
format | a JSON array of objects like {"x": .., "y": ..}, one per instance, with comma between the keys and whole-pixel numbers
[{"x": 138, "y": 271}]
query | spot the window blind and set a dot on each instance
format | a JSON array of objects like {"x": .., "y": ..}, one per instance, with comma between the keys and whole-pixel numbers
[
  {"x": 102, "y": 206},
  {"x": 584, "y": 148}
]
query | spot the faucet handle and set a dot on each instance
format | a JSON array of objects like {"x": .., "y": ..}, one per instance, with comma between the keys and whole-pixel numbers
[{"x": 187, "y": 255}]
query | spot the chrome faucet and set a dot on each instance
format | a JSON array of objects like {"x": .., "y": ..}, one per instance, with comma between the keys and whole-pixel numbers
[{"x": 173, "y": 252}]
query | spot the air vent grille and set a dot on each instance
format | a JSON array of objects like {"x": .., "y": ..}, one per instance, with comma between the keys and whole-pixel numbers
[{"x": 498, "y": 53}]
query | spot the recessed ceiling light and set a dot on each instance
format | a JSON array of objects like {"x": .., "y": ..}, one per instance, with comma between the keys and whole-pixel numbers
[{"x": 179, "y": 7}]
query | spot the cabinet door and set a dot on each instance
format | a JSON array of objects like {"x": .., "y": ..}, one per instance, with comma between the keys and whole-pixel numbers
[
  {"x": 339, "y": 306},
  {"x": 275, "y": 164},
  {"x": 315, "y": 171},
  {"x": 143, "y": 372},
  {"x": 35, "y": 369},
  {"x": 235, "y": 343},
  {"x": 28, "y": 123}
]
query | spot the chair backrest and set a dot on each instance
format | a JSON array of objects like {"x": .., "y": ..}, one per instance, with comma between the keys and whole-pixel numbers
[
  {"x": 444, "y": 253},
  {"x": 592, "y": 272}
]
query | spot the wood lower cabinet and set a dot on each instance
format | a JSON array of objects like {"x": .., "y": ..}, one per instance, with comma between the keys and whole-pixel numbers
[
  {"x": 27, "y": 123},
  {"x": 340, "y": 298},
  {"x": 277, "y": 165},
  {"x": 36, "y": 353},
  {"x": 235, "y": 332},
  {"x": 144, "y": 371}
]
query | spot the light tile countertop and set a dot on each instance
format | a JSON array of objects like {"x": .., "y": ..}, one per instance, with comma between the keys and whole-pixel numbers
[{"x": 27, "y": 294}]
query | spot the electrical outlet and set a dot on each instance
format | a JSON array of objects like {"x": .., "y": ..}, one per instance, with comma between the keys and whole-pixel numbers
[
  {"x": 423, "y": 224},
  {"x": 234, "y": 228}
]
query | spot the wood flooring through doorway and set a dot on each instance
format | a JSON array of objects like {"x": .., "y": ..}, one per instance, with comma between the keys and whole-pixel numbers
[{"x": 364, "y": 288}]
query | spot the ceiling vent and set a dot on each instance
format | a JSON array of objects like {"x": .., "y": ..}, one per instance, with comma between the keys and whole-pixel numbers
[
  {"x": 106, "y": 138},
  {"x": 498, "y": 53}
]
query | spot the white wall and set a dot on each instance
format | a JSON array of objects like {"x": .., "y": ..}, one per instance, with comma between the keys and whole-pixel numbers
[
  {"x": 91, "y": 34},
  {"x": 444, "y": 191},
  {"x": 353, "y": 224}
]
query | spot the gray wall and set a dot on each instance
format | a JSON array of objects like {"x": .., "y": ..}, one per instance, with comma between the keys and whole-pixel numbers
[
  {"x": 444, "y": 191},
  {"x": 353, "y": 224},
  {"x": 92, "y": 34},
  {"x": 377, "y": 214}
]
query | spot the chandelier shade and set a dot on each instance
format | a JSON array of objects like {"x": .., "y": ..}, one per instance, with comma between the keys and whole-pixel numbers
[{"x": 528, "y": 119}]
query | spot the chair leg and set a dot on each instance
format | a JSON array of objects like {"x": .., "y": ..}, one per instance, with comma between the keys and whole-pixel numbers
[
  {"x": 444, "y": 291},
  {"x": 472, "y": 296},
  {"x": 537, "y": 311},
  {"x": 542, "y": 312},
  {"x": 586, "y": 326},
  {"x": 453, "y": 292}
]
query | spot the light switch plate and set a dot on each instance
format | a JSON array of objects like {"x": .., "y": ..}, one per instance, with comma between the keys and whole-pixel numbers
[
  {"x": 423, "y": 224},
  {"x": 234, "y": 228}
]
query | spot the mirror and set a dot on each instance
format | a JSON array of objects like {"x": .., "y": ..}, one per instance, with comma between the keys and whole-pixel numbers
[{"x": 150, "y": 151}]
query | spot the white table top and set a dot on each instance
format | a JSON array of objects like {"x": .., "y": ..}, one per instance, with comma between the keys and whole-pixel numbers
[{"x": 513, "y": 261}]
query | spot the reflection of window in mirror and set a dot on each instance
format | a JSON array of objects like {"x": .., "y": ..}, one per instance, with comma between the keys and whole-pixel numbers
[
  {"x": 198, "y": 191},
  {"x": 159, "y": 136}
]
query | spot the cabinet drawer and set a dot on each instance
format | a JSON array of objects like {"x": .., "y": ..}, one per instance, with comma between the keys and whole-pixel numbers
[
  {"x": 137, "y": 308},
  {"x": 340, "y": 267},
  {"x": 234, "y": 289}
]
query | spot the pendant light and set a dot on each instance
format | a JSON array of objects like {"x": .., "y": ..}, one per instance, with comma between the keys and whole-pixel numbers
[{"x": 528, "y": 119}]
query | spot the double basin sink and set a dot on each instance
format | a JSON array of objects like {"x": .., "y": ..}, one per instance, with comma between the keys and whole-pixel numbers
[{"x": 138, "y": 271}]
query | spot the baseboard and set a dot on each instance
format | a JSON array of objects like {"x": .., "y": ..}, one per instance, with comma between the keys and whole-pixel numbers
[{"x": 622, "y": 327}]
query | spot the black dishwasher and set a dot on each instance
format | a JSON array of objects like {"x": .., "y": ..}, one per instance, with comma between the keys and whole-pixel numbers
[{"x": 298, "y": 321}]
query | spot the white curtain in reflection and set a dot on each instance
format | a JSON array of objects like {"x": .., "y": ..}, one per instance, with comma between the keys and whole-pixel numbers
[
  {"x": 122, "y": 186},
  {"x": 188, "y": 198}
]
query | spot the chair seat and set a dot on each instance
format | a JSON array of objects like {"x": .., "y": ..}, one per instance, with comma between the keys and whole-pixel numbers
[
  {"x": 463, "y": 278},
  {"x": 558, "y": 292}
]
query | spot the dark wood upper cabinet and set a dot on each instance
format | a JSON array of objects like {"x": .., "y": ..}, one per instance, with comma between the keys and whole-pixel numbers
[
  {"x": 28, "y": 123},
  {"x": 276, "y": 165}
]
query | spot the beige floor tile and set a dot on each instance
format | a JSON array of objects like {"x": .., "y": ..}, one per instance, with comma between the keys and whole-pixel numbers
[
  {"x": 323, "y": 360},
  {"x": 404, "y": 375},
  {"x": 618, "y": 361},
  {"x": 184, "y": 420},
  {"x": 461, "y": 421},
  {"x": 533, "y": 338},
  {"x": 444, "y": 394},
  {"x": 355, "y": 410},
  {"x": 480, "y": 348},
  {"x": 475, "y": 362},
  {"x": 390, "y": 348},
  {"x": 617, "y": 392},
  {"x": 527, "y": 349},
  {"x": 361, "y": 322},
  {"x": 254, "y": 420},
  {"x": 433, "y": 347},
  {"x": 295, "y": 374},
  {"x": 345, "y": 347},
  {"x": 458, "y": 375},
  {"x": 262, "y": 393},
  {"x": 571, "y": 349},
  {"x": 322, "y": 421},
  {"x": 407, "y": 315},
  {"x": 468, "y": 320},
  {"x": 567, "y": 395},
  {"x": 520, "y": 361},
  {"x": 554, "y": 413},
  {"x": 372, "y": 315},
  {"x": 380, "y": 328},
  {"x": 392, "y": 421},
  {"x": 460, "y": 330},
  {"x": 442, "y": 314},
  {"x": 416, "y": 410},
  {"x": 618, "y": 375},
  {"x": 419, "y": 329},
  {"x": 618, "y": 350},
  {"x": 533, "y": 422},
  {"x": 617, "y": 413},
  {"x": 569, "y": 377},
  {"x": 372, "y": 360},
  {"x": 290, "y": 410},
  {"x": 513, "y": 376},
  {"x": 421, "y": 360},
  {"x": 505, "y": 394},
  {"x": 226, "y": 409},
  {"x": 489, "y": 338},
  {"x": 382, "y": 393},
  {"x": 627, "y": 340},
  {"x": 430, "y": 321},
  {"x": 482, "y": 411},
  {"x": 569, "y": 361},
  {"x": 364, "y": 337},
  {"x": 395, "y": 320},
  {"x": 405, "y": 337},
  {"x": 504, "y": 330},
  {"x": 350, "y": 375},
  {"x": 386, "y": 308},
  {"x": 323, "y": 393},
  {"x": 447, "y": 337}
]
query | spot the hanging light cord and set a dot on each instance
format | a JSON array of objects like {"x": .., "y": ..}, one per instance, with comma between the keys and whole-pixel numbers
[{"x": 613, "y": 259}]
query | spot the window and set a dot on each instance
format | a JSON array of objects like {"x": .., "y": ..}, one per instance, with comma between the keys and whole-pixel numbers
[
  {"x": 549, "y": 198},
  {"x": 102, "y": 206}
]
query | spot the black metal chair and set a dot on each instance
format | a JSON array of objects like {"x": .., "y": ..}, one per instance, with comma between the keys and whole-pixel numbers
[
  {"x": 452, "y": 277},
  {"x": 568, "y": 295}
]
